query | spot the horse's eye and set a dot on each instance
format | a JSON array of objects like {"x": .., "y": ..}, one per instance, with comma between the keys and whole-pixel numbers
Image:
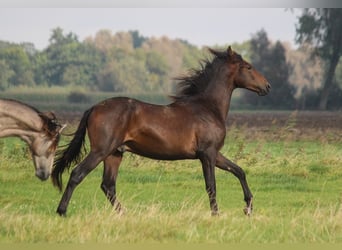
[{"x": 246, "y": 65}]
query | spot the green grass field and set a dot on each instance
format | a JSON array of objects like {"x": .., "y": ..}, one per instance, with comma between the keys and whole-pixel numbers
[{"x": 297, "y": 187}]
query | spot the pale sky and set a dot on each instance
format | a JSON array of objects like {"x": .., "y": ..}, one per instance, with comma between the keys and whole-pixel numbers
[{"x": 199, "y": 26}]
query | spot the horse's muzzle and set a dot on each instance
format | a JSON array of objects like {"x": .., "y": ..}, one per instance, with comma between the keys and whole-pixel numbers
[
  {"x": 265, "y": 91},
  {"x": 42, "y": 175}
]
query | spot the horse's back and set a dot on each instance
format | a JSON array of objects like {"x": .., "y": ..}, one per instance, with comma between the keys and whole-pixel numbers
[{"x": 138, "y": 113}]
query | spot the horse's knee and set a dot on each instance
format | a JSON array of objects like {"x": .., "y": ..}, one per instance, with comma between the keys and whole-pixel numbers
[{"x": 76, "y": 176}]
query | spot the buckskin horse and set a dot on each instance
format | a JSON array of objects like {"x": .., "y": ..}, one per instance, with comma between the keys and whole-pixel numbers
[
  {"x": 41, "y": 132},
  {"x": 193, "y": 126}
]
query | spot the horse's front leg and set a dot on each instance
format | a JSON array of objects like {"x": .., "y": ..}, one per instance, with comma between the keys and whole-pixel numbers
[
  {"x": 227, "y": 165},
  {"x": 208, "y": 166}
]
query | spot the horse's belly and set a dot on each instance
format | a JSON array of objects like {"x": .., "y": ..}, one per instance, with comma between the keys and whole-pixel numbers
[
  {"x": 159, "y": 151},
  {"x": 165, "y": 140}
]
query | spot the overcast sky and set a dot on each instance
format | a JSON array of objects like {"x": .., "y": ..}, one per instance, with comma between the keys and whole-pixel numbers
[{"x": 199, "y": 26}]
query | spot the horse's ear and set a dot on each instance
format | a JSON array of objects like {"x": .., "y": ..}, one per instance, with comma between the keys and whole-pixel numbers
[
  {"x": 220, "y": 54},
  {"x": 230, "y": 52},
  {"x": 212, "y": 51},
  {"x": 50, "y": 115}
]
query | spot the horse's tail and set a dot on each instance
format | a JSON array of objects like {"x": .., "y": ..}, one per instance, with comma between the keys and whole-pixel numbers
[{"x": 72, "y": 154}]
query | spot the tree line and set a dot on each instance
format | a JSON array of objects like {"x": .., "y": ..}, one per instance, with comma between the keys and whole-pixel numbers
[
  {"x": 305, "y": 78},
  {"x": 123, "y": 62}
]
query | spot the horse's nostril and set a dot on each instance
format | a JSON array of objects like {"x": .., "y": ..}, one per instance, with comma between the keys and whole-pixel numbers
[{"x": 43, "y": 176}]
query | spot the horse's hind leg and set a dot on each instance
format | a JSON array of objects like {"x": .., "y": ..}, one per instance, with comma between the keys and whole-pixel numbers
[
  {"x": 77, "y": 175},
  {"x": 110, "y": 173},
  {"x": 227, "y": 165}
]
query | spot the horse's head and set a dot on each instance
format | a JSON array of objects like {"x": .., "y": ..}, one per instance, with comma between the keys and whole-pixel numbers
[
  {"x": 244, "y": 75},
  {"x": 43, "y": 147}
]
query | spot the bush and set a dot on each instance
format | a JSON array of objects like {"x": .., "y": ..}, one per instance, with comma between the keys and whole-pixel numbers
[{"x": 78, "y": 97}]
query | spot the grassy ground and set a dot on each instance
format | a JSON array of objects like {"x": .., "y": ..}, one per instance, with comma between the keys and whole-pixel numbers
[{"x": 297, "y": 186}]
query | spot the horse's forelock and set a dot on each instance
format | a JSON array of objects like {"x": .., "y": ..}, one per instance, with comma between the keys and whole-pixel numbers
[{"x": 50, "y": 123}]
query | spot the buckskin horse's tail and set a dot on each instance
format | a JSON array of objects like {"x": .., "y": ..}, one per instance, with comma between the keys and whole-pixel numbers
[{"x": 72, "y": 154}]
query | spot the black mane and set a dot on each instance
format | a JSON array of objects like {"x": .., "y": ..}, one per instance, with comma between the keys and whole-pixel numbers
[{"x": 198, "y": 79}]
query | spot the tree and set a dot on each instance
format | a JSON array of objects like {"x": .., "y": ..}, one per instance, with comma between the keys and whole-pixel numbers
[
  {"x": 138, "y": 40},
  {"x": 270, "y": 60},
  {"x": 18, "y": 65},
  {"x": 59, "y": 54},
  {"x": 66, "y": 61},
  {"x": 172, "y": 52},
  {"x": 192, "y": 55},
  {"x": 322, "y": 29},
  {"x": 156, "y": 64},
  {"x": 5, "y": 74},
  {"x": 307, "y": 71}
]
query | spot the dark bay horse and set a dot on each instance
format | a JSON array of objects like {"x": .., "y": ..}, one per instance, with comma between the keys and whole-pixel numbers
[
  {"x": 193, "y": 126},
  {"x": 41, "y": 131}
]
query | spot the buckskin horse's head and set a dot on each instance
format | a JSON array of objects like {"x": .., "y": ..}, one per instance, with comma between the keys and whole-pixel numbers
[{"x": 44, "y": 145}]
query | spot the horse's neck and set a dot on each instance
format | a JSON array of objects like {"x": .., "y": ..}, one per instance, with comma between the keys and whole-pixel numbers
[
  {"x": 11, "y": 127},
  {"x": 26, "y": 135},
  {"x": 19, "y": 121},
  {"x": 219, "y": 94},
  {"x": 23, "y": 116}
]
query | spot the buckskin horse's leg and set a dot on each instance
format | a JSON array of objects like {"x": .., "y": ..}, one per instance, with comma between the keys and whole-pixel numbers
[
  {"x": 225, "y": 164},
  {"x": 110, "y": 172},
  {"x": 77, "y": 175},
  {"x": 208, "y": 166}
]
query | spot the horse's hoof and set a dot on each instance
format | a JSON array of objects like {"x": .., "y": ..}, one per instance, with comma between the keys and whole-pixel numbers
[
  {"x": 215, "y": 213},
  {"x": 247, "y": 211},
  {"x": 120, "y": 210},
  {"x": 249, "y": 207},
  {"x": 117, "y": 206},
  {"x": 61, "y": 213}
]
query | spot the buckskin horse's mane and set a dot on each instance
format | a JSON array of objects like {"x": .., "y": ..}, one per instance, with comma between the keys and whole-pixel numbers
[{"x": 198, "y": 79}]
